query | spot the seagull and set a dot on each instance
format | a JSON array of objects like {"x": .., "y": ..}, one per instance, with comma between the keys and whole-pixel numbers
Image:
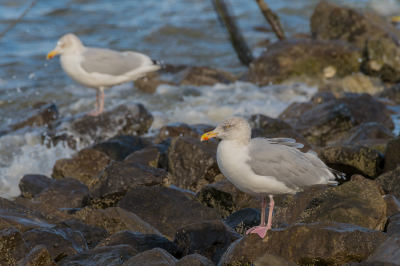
[
  {"x": 98, "y": 68},
  {"x": 266, "y": 167}
]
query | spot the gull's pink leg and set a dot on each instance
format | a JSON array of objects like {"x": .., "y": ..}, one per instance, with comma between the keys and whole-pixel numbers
[
  {"x": 98, "y": 111},
  {"x": 102, "y": 96},
  {"x": 262, "y": 229},
  {"x": 95, "y": 112}
]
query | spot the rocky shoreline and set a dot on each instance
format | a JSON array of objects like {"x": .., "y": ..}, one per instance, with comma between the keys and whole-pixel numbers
[{"x": 127, "y": 198}]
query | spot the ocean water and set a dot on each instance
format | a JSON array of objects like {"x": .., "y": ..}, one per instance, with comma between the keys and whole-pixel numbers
[{"x": 182, "y": 32}]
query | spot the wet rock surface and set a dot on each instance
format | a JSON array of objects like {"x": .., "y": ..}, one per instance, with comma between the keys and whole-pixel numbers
[
  {"x": 323, "y": 243},
  {"x": 63, "y": 198},
  {"x": 92, "y": 234},
  {"x": 392, "y": 155},
  {"x": 154, "y": 156},
  {"x": 244, "y": 219},
  {"x": 119, "y": 147},
  {"x": 194, "y": 260},
  {"x": 47, "y": 209},
  {"x": 165, "y": 209},
  {"x": 367, "y": 131},
  {"x": 272, "y": 260},
  {"x": 142, "y": 242},
  {"x": 13, "y": 248},
  {"x": 393, "y": 224},
  {"x": 154, "y": 257},
  {"x": 196, "y": 168},
  {"x": 86, "y": 165},
  {"x": 266, "y": 125},
  {"x": 390, "y": 181},
  {"x": 103, "y": 256},
  {"x": 388, "y": 251},
  {"x": 60, "y": 242},
  {"x": 392, "y": 204},
  {"x": 209, "y": 239},
  {"x": 392, "y": 93},
  {"x": 114, "y": 219},
  {"x": 217, "y": 199},
  {"x": 203, "y": 76},
  {"x": 181, "y": 130},
  {"x": 119, "y": 177},
  {"x": 31, "y": 185},
  {"x": 295, "y": 110},
  {"x": 39, "y": 256}
]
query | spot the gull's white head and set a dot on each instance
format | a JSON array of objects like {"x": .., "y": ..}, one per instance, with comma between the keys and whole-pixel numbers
[
  {"x": 231, "y": 128},
  {"x": 68, "y": 44}
]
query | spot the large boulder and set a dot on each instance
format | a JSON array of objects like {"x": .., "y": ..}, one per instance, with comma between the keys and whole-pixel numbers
[
  {"x": 392, "y": 155},
  {"x": 392, "y": 93},
  {"x": 322, "y": 243},
  {"x": 142, "y": 242},
  {"x": 272, "y": 260},
  {"x": 39, "y": 256},
  {"x": 165, "y": 209},
  {"x": 192, "y": 163},
  {"x": 119, "y": 147},
  {"x": 214, "y": 198},
  {"x": 393, "y": 224},
  {"x": 154, "y": 156},
  {"x": 295, "y": 110},
  {"x": 304, "y": 57},
  {"x": 60, "y": 242},
  {"x": 114, "y": 219},
  {"x": 203, "y": 76},
  {"x": 63, "y": 198},
  {"x": 86, "y": 165},
  {"x": 392, "y": 204},
  {"x": 367, "y": 132},
  {"x": 23, "y": 218},
  {"x": 181, "y": 130},
  {"x": 265, "y": 125},
  {"x": 47, "y": 209},
  {"x": 119, "y": 177},
  {"x": 210, "y": 239},
  {"x": 242, "y": 220},
  {"x": 390, "y": 181},
  {"x": 154, "y": 257},
  {"x": 13, "y": 248},
  {"x": 355, "y": 83},
  {"x": 194, "y": 260},
  {"x": 388, "y": 252}
]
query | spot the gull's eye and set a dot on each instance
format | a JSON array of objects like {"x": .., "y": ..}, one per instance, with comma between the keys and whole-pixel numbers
[{"x": 228, "y": 126}]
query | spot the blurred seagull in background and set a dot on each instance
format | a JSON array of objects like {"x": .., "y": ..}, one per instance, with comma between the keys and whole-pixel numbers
[
  {"x": 266, "y": 167},
  {"x": 98, "y": 68}
]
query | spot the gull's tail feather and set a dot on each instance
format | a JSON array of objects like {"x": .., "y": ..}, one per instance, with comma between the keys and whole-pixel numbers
[{"x": 337, "y": 174}]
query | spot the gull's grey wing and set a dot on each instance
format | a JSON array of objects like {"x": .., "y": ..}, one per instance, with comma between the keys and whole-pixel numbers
[
  {"x": 281, "y": 159},
  {"x": 111, "y": 62}
]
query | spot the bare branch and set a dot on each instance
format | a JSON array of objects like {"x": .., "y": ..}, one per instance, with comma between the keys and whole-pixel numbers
[{"x": 272, "y": 18}]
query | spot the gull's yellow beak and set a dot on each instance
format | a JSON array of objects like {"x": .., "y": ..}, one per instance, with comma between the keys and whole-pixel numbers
[
  {"x": 51, "y": 54},
  {"x": 208, "y": 135}
]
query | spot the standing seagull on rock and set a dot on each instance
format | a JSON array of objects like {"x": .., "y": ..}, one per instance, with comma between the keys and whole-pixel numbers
[
  {"x": 98, "y": 68},
  {"x": 266, "y": 167}
]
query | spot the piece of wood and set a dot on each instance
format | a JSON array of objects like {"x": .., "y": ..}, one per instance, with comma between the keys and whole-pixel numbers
[{"x": 272, "y": 19}]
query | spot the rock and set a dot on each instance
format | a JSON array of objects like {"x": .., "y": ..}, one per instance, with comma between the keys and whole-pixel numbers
[
  {"x": 114, "y": 219},
  {"x": 357, "y": 203},
  {"x": 388, "y": 251},
  {"x": 119, "y": 177},
  {"x": 92, "y": 234},
  {"x": 203, "y": 76},
  {"x": 390, "y": 181},
  {"x": 194, "y": 260},
  {"x": 267, "y": 125},
  {"x": 23, "y": 218},
  {"x": 360, "y": 178},
  {"x": 187, "y": 193},
  {"x": 293, "y": 134},
  {"x": 295, "y": 110},
  {"x": 149, "y": 156},
  {"x": 60, "y": 242},
  {"x": 210, "y": 239},
  {"x": 31, "y": 185},
  {"x": 272, "y": 260},
  {"x": 142, "y": 242},
  {"x": 393, "y": 224},
  {"x": 104, "y": 256},
  {"x": 47, "y": 209},
  {"x": 165, "y": 209},
  {"x": 323, "y": 97},
  {"x": 13, "y": 248},
  {"x": 355, "y": 83},
  {"x": 39, "y": 256},
  {"x": 303, "y": 57},
  {"x": 86, "y": 165},
  {"x": 331, "y": 22},
  {"x": 63, "y": 198},
  {"x": 368, "y": 131},
  {"x": 354, "y": 160},
  {"x": 154, "y": 257},
  {"x": 119, "y": 147},
  {"x": 324, "y": 122},
  {"x": 365, "y": 263},
  {"x": 393, "y": 205},
  {"x": 181, "y": 130},
  {"x": 217, "y": 199},
  {"x": 51, "y": 139},
  {"x": 242, "y": 220},
  {"x": 302, "y": 244},
  {"x": 192, "y": 164},
  {"x": 150, "y": 82},
  {"x": 130, "y": 119},
  {"x": 392, "y": 93},
  {"x": 392, "y": 155}
]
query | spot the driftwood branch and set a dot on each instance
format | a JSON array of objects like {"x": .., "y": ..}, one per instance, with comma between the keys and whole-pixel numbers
[
  {"x": 236, "y": 38},
  {"x": 272, "y": 19},
  {"x": 18, "y": 19}
]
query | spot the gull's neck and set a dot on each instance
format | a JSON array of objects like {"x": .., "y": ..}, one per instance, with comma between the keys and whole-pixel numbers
[{"x": 244, "y": 141}]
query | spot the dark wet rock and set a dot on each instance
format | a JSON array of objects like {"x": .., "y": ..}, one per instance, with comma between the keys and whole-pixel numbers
[
  {"x": 194, "y": 260},
  {"x": 104, "y": 256},
  {"x": 31, "y": 185},
  {"x": 51, "y": 139},
  {"x": 304, "y": 57},
  {"x": 389, "y": 251},
  {"x": 203, "y": 76},
  {"x": 187, "y": 193},
  {"x": 292, "y": 134},
  {"x": 210, "y": 239},
  {"x": 393, "y": 224},
  {"x": 63, "y": 198},
  {"x": 217, "y": 199},
  {"x": 354, "y": 83},
  {"x": 324, "y": 122},
  {"x": 266, "y": 125},
  {"x": 165, "y": 209},
  {"x": 39, "y": 256},
  {"x": 295, "y": 110},
  {"x": 392, "y": 205},
  {"x": 142, "y": 242},
  {"x": 357, "y": 203},
  {"x": 272, "y": 260},
  {"x": 86, "y": 165},
  {"x": 244, "y": 219},
  {"x": 392, "y": 93},
  {"x": 323, "y": 97},
  {"x": 154, "y": 257},
  {"x": 322, "y": 243},
  {"x": 181, "y": 130},
  {"x": 392, "y": 155},
  {"x": 60, "y": 242},
  {"x": 119, "y": 147},
  {"x": 150, "y": 156},
  {"x": 366, "y": 263},
  {"x": 92, "y": 234},
  {"x": 114, "y": 219},
  {"x": 368, "y": 131},
  {"x": 150, "y": 82},
  {"x": 360, "y": 178},
  {"x": 13, "y": 248},
  {"x": 193, "y": 164},
  {"x": 119, "y": 177},
  {"x": 47, "y": 209},
  {"x": 354, "y": 160},
  {"x": 23, "y": 218},
  {"x": 390, "y": 181}
]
